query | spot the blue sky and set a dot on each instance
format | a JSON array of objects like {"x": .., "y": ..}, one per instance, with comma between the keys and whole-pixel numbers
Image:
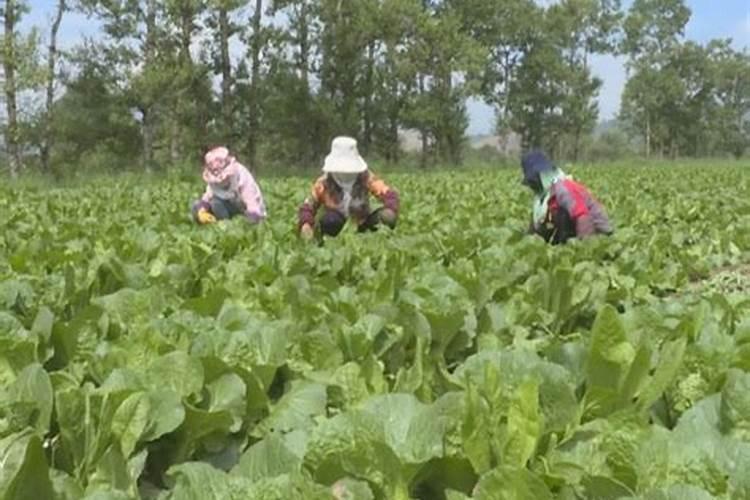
[{"x": 710, "y": 19}]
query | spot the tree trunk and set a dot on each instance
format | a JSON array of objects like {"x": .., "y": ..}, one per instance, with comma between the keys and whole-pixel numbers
[
  {"x": 648, "y": 137},
  {"x": 255, "y": 46},
  {"x": 226, "y": 69},
  {"x": 174, "y": 141},
  {"x": 422, "y": 129},
  {"x": 187, "y": 16},
  {"x": 577, "y": 143},
  {"x": 369, "y": 90},
  {"x": 51, "y": 68},
  {"x": 9, "y": 65},
  {"x": 183, "y": 117},
  {"x": 304, "y": 45},
  {"x": 149, "y": 109}
]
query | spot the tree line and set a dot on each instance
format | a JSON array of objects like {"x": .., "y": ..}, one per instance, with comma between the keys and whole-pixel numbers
[{"x": 277, "y": 79}]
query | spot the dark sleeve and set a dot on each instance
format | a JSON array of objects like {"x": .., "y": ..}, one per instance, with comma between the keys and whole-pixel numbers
[
  {"x": 309, "y": 207},
  {"x": 387, "y": 195}
]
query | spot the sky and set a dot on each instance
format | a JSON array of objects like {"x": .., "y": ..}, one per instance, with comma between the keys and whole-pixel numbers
[{"x": 710, "y": 19}]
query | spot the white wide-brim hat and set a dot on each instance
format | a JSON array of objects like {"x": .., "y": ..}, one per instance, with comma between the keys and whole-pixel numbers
[{"x": 344, "y": 157}]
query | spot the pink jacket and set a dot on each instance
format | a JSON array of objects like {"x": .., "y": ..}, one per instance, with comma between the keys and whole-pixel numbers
[{"x": 243, "y": 188}]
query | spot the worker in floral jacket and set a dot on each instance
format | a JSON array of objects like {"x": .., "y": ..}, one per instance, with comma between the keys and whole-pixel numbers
[
  {"x": 343, "y": 193},
  {"x": 231, "y": 190},
  {"x": 563, "y": 208}
]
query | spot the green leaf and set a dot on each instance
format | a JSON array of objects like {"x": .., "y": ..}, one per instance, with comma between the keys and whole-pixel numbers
[
  {"x": 197, "y": 481},
  {"x": 20, "y": 348},
  {"x": 456, "y": 495},
  {"x": 228, "y": 393},
  {"x": 637, "y": 375},
  {"x": 670, "y": 362},
  {"x": 296, "y": 408},
  {"x": 605, "y": 488},
  {"x": 65, "y": 487},
  {"x": 198, "y": 426},
  {"x": 146, "y": 416},
  {"x": 112, "y": 473},
  {"x": 676, "y": 492},
  {"x": 524, "y": 425},
  {"x": 350, "y": 489},
  {"x": 610, "y": 356},
  {"x": 33, "y": 387},
  {"x": 268, "y": 458},
  {"x": 167, "y": 413},
  {"x": 43, "y": 324},
  {"x": 413, "y": 430},
  {"x": 24, "y": 474},
  {"x": 177, "y": 371},
  {"x": 735, "y": 405},
  {"x": 131, "y": 420},
  {"x": 510, "y": 483},
  {"x": 209, "y": 305}
]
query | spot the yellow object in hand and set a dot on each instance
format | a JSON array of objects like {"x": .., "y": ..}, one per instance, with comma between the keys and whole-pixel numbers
[{"x": 205, "y": 217}]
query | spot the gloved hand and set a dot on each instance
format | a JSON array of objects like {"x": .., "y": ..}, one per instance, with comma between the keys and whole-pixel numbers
[
  {"x": 205, "y": 217},
  {"x": 306, "y": 231}
]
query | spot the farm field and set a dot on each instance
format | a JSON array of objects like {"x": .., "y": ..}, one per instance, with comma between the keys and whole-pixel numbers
[{"x": 142, "y": 356}]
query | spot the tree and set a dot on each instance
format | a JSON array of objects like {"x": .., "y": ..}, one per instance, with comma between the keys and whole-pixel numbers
[
  {"x": 224, "y": 28},
  {"x": 256, "y": 39},
  {"x": 653, "y": 30},
  {"x": 443, "y": 55},
  {"x": 93, "y": 121},
  {"x": 189, "y": 111},
  {"x": 731, "y": 118},
  {"x": 506, "y": 28},
  {"x": 683, "y": 98},
  {"x": 395, "y": 74},
  {"x": 651, "y": 27},
  {"x": 52, "y": 56},
  {"x": 297, "y": 125},
  {"x": 347, "y": 47},
  {"x": 536, "y": 97},
  {"x": 139, "y": 47},
  {"x": 11, "y": 15},
  {"x": 23, "y": 77},
  {"x": 582, "y": 28}
]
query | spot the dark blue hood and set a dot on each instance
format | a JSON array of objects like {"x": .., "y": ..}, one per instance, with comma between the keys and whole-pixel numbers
[{"x": 534, "y": 163}]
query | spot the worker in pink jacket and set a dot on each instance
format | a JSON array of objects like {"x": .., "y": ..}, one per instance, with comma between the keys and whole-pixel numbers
[{"x": 230, "y": 190}]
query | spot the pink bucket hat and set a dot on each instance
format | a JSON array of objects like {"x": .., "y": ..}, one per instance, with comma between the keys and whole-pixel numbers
[{"x": 219, "y": 165}]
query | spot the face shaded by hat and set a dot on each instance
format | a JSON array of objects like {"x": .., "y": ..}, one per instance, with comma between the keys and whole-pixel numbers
[
  {"x": 534, "y": 164},
  {"x": 219, "y": 166}
]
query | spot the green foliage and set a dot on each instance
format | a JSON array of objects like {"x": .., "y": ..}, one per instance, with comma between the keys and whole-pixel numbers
[
  {"x": 678, "y": 99},
  {"x": 453, "y": 358},
  {"x": 163, "y": 80}
]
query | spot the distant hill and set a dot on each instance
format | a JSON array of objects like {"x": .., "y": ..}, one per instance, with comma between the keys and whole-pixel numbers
[
  {"x": 411, "y": 142},
  {"x": 509, "y": 145}
]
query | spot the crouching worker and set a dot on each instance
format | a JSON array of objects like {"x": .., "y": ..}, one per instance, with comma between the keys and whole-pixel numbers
[
  {"x": 343, "y": 193},
  {"x": 230, "y": 190},
  {"x": 563, "y": 208}
]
